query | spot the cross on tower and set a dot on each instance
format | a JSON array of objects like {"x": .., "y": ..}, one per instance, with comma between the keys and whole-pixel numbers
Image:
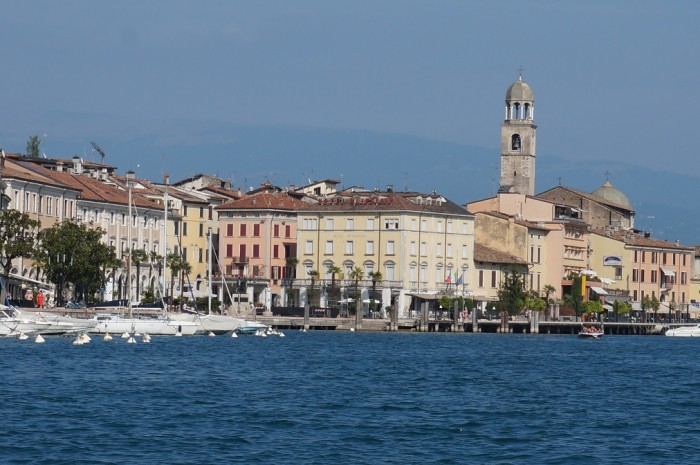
[
  {"x": 607, "y": 175},
  {"x": 520, "y": 72}
]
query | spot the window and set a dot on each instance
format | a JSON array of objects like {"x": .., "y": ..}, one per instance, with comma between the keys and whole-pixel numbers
[
  {"x": 329, "y": 224},
  {"x": 464, "y": 251},
  {"x": 276, "y": 230},
  {"x": 243, "y": 230},
  {"x": 449, "y": 250},
  {"x": 635, "y": 277},
  {"x": 481, "y": 278},
  {"x": 618, "y": 272},
  {"x": 439, "y": 224},
  {"x": 184, "y": 228},
  {"x": 423, "y": 248},
  {"x": 449, "y": 226},
  {"x": 329, "y": 247},
  {"x": 413, "y": 248},
  {"x": 184, "y": 210},
  {"x": 493, "y": 278},
  {"x": 309, "y": 248},
  {"x": 201, "y": 229},
  {"x": 390, "y": 247},
  {"x": 242, "y": 250},
  {"x": 350, "y": 224},
  {"x": 256, "y": 251},
  {"x": 370, "y": 223},
  {"x": 310, "y": 223},
  {"x": 391, "y": 223},
  {"x": 256, "y": 230},
  {"x": 229, "y": 250},
  {"x": 348, "y": 247},
  {"x": 201, "y": 212},
  {"x": 684, "y": 277},
  {"x": 200, "y": 255},
  {"x": 275, "y": 251},
  {"x": 414, "y": 224},
  {"x": 370, "y": 248},
  {"x": 389, "y": 271},
  {"x": 229, "y": 230},
  {"x": 287, "y": 231},
  {"x": 439, "y": 249}
]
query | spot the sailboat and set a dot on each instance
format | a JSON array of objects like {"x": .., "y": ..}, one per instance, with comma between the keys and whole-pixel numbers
[{"x": 117, "y": 323}]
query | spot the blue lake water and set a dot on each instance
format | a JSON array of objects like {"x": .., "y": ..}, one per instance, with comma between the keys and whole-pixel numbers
[{"x": 360, "y": 398}]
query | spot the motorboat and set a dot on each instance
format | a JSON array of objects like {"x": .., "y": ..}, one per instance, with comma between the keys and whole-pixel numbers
[
  {"x": 684, "y": 331},
  {"x": 591, "y": 332},
  {"x": 251, "y": 327},
  {"x": 61, "y": 324},
  {"x": 13, "y": 323},
  {"x": 161, "y": 326}
]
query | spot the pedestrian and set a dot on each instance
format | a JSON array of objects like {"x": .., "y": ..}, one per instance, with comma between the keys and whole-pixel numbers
[{"x": 40, "y": 300}]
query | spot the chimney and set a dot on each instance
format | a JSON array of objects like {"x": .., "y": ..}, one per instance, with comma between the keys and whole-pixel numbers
[
  {"x": 166, "y": 179},
  {"x": 59, "y": 166},
  {"x": 678, "y": 243},
  {"x": 77, "y": 165},
  {"x": 390, "y": 188}
]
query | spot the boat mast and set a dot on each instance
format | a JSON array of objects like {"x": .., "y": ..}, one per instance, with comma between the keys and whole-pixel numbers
[
  {"x": 209, "y": 271},
  {"x": 166, "y": 180},
  {"x": 129, "y": 178}
]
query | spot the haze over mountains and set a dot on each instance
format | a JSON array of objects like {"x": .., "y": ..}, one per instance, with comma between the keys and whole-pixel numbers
[{"x": 247, "y": 155}]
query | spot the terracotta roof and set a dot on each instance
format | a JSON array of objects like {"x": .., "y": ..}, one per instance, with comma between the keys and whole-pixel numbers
[
  {"x": 486, "y": 254},
  {"x": 265, "y": 201},
  {"x": 387, "y": 201},
  {"x": 592, "y": 197},
  {"x": 231, "y": 194},
  {"x": 16, "y": 169}
]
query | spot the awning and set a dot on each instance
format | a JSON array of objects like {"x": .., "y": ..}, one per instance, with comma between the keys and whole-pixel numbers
[
  {"x": 426, "y": 296},
  {"x": 599, "y": 290},
  {"x": 668, "y": 271},
  {"x": 636, "y": 306},
  {"x": 608, "y": 307},
  {"x": 30, "y": 280}
]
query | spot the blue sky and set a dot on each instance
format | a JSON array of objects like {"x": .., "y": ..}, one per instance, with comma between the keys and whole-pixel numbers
[{"x": 613, "y": 79}]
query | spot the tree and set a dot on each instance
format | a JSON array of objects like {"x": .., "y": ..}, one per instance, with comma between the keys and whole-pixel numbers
[
  {"x": 511, "y": 293},
  {"x": 138, "y": 256},
  {"x": 534, "y": 302},
  {"x": 33, "y": 144},
  {"x": 356, "y": 275},
  {"x": 313, "y": 274},
  {"x": 18, "y": 238},
  {"x": 377, "y": 278},
  {"x": 173, "y": 261},
  {"x": 291, "y": 263},
  {"x": 73, "y": 252},
  {"x": 333, "y": 270},
  {"x": 576, "y": 297},
  {"x": 655, "y": 305}
]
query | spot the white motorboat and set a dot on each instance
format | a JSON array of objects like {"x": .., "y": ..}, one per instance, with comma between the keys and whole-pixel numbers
[
  {"x": 251, "y": 327},
  {"x": 13, "y": 323},
  {"x": 163, "y": 326},
  {"x": 591, "y": 332},
  {"x": 684, "y": 331},
  {"x": 61, "y": 324}
]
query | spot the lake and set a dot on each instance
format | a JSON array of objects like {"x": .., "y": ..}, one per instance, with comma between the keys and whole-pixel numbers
[{"x": 325, "y": 397}]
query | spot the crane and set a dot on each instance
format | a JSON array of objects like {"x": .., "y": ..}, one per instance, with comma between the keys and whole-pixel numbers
[{"x": 99, "y": 150}]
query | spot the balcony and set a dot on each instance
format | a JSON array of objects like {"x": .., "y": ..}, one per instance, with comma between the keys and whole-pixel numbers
[{"x": 238, "y": 260}]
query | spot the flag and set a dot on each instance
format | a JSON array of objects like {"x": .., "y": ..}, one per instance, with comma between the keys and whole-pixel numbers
[
  {"x": 460, "y": 280},
  {"x": 448, "y": 280}
]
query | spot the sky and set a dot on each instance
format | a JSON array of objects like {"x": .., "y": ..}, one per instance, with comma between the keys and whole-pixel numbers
[{"x": 612, "y": 79}]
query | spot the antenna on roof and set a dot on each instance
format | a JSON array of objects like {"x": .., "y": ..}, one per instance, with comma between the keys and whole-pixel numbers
[{"x": 98, "y": 149}]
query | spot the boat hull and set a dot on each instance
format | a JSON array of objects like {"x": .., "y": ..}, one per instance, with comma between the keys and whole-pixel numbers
[{"x": 152, "y": 326}]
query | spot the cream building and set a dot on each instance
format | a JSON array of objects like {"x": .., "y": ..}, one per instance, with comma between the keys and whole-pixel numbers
[{"x": 420, "y": 243}]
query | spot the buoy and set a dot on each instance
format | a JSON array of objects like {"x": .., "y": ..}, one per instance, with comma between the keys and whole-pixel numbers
[
  {"x": 131, "y": 340},
  {"x": 146, "y": 338},
  {"x": 281, "y": 334},
  {"x": 85, "y": 338},
  {"x": 107, "y": 337},
  {"x": 352, "y": 329},
  {"x": 126, "y": 335},
  {"x": 178, "y": 333},
  {"x": 39, "y": 339},
  {"x": 77, "y": 341},
  {"x": 211, "y": 333},
  {"x": 233, "y": 334},
  {"x": 21, "y": 336}
]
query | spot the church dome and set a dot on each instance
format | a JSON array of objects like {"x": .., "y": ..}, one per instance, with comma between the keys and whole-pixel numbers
[
  {"x": 614, "y": 195},
  {"x": 519, "y": 91}
]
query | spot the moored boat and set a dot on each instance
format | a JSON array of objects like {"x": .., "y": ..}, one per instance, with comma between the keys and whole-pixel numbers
[
  {"x": 162, "y": 326},
  {"x": 591, "y": 332},
  {"x": 684, "y": 331}
]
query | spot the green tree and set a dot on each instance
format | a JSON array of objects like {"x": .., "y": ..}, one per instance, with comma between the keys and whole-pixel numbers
[
  {"x": 313, "y": 274},
  {"x": 33, "y": 144},
  {"x": 376, "y": 278},
  {"x": 73, "y": 252},
  {"x": 138, "y": 256},
  {"x": 575, "y": 299},
  {"x": 592, "y": 306},
  {"x": 291, "y": 263},
  {"x": 333, "y": 270},
  {"x": 174, "y": 262},
  {"x": 356, "y": 275},
  {"x": 534, "y": 302},
  {"x": 18, "y": 238},
  {"x": 655, "y": 305},
  {"x": 511, "y": 293}
]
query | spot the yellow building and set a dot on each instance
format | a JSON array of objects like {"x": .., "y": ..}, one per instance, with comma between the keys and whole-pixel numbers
[{"x": 420, "y": 243}]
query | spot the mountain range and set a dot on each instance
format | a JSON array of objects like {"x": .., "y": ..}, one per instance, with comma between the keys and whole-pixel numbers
[{"x": 248, "y": 155}]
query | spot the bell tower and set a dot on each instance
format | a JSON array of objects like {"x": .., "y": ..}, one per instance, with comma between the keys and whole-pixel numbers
[{"x": 518, "y": 140}]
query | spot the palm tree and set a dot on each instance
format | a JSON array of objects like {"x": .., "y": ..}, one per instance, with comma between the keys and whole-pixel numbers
[
  {"x": 377, "y": 278},
  {"x": 356, "y": 275},
  {"x": 292, "y": 263},
  {"x": 174, "y": 262},
  {"x": 548, "y": 290},
  {"x": 138, "y": 256},
  {"x": 313, "y": 274},
  {"x": 333, "y": 270}
]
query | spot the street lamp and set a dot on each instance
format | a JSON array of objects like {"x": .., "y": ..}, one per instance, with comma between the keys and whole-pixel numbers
[{"x": 129, "y": 179}]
